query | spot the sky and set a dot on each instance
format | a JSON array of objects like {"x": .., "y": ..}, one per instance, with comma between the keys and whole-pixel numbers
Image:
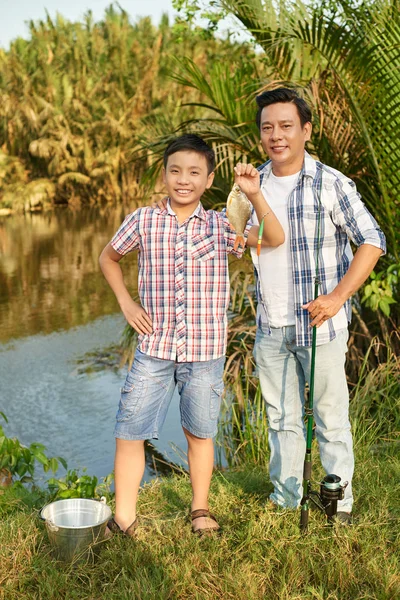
[{"x": 15, "y": 13}]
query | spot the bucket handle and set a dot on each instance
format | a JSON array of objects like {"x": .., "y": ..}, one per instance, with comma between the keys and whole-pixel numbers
[{"x": 52, "y": 526}]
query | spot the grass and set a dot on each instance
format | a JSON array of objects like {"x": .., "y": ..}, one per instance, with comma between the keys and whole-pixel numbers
[{"x": 259, "y": 555}]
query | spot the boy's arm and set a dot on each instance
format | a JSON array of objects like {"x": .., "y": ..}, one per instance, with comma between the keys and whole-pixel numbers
[
  {"x": 248, "y": 179},
  {"x": 135, "y": 315}
]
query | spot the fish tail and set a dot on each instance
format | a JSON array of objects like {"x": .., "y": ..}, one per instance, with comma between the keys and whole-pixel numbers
[{"x": 239, "y": 241}]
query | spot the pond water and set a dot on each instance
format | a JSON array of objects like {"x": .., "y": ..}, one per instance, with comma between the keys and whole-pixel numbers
[{"x": 55, "y": 306}]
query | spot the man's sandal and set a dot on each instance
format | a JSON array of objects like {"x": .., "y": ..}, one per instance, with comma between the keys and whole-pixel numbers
[
  {"x": 206, "y": 531},
  {"x": 115, "y": 528}
]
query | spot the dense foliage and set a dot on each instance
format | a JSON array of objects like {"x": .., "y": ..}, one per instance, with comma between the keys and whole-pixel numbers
[
  {"x": 76, "y": 99},
  {"x": 344, "y": 56}
]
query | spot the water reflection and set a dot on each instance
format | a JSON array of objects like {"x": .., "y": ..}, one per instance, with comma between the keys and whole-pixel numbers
[
  {"x": 157, "y": 464},
  {"x": 49, "y": 273},
  {"x": 48, "y": 400}
]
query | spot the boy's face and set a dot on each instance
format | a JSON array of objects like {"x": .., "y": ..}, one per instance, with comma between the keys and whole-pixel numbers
[
  {"x": 186, "y": 178},
  {"x": 282, "y": 136}
]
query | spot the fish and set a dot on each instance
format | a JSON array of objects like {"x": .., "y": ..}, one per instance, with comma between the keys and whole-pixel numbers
[{"x": 238, "y": 211}]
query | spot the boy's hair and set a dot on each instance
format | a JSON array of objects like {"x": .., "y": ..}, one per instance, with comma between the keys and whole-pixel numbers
[
  {"x": 192, "y": 143},
  {"x": 283, "y": 95}
]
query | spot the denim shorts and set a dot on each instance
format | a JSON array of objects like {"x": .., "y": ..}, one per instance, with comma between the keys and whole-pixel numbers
[{"x": 148, "y": 390}]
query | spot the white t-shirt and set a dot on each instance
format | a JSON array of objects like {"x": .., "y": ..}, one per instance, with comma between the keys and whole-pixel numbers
[{"x": 275, "y": 264}]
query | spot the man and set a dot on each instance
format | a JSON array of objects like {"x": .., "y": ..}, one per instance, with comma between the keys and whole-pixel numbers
[{"x": 302, "y": 192}]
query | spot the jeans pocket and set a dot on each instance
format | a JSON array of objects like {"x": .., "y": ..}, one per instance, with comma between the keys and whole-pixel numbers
[
  {"x": 215, "y": 400},
  {"x": 257, "y": 343},
  {"x": 132, "y": 397}
]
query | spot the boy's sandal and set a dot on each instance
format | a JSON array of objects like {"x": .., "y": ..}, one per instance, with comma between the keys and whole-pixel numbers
[
  {"x": 130, "y": 531},
  {"x": 207, "y": 531}
]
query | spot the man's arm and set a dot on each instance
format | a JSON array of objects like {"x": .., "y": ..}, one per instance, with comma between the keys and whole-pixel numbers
[
  {"x": 248, "y": 179},
  {"x": 351, "y": 215},
  {"x": 135, "y": 315},
  {"x": 326, "y": 306}
]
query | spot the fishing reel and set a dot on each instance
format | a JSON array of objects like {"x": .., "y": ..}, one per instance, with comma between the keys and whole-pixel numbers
[{"x": 330, "y": 492}]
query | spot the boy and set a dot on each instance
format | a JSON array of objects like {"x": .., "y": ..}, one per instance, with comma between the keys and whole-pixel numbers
[{"x": 181, "y": 321}]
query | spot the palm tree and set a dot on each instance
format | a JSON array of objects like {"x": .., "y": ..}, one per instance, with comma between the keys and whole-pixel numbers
[{"x": 346, "y": 59}]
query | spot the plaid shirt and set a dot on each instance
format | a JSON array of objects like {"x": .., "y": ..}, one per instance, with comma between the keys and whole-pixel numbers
[
  {"x": 343, "y": 216},
  {"x": 183, "y": 280}
]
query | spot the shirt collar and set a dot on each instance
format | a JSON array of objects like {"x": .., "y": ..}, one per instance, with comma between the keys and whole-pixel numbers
[
  {"x": 198, "y": 212},
  {"x": 309, "y": 168}
]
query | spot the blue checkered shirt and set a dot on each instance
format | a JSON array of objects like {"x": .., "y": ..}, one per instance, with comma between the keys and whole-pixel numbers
[{"x": 343, "y": 217}]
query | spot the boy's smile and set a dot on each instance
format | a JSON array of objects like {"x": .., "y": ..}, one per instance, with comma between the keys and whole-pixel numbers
[{"x": 186, "y": 178}]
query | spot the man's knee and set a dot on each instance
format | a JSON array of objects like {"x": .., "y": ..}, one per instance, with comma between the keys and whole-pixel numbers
[{"x": 283, "y": 426}]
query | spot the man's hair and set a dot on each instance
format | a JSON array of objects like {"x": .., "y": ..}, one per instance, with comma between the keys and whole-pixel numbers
[
  {"x": 283, "y": 95},
  {"x": 191, "y": 143}
]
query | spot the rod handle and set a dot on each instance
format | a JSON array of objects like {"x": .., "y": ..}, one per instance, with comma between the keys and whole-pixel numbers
[
  {"x": 304, "y": 519},
  {"x": 307, "y": 470}
]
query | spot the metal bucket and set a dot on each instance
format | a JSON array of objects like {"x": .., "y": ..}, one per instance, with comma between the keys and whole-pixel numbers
[{"x": 75, "y": 526}]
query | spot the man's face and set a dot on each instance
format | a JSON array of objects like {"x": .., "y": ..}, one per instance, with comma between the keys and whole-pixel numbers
[
  {"x": 186, "y": 177},
  {"x": 283, "y": 138}
]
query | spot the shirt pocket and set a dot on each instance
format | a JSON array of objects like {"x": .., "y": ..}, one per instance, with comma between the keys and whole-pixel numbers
[
  {"x": 203, "y": 247},
  {"x": 310, "y": 222},
  {"x": 327, "y": 228}
]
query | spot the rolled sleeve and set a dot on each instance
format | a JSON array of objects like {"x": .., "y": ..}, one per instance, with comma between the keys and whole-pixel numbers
[
  {"x": 126, "y": 238},
  {"x": 352, "y": 216}
]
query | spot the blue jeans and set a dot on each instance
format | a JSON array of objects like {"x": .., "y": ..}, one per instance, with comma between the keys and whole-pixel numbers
[
  {"x": 283, "y": 370},
  {"x": 148, "y": 390}
]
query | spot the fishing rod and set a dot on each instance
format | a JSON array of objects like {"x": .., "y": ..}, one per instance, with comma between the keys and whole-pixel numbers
[{"x": 331, "y": 490}]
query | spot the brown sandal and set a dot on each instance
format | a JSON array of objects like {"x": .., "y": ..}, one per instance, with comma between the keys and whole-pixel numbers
[
  {"x": 206, "y": 531},
  {"x": 115, "y": 528}
]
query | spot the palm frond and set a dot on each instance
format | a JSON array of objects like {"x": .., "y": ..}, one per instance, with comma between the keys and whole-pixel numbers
[{"x": 359, "y": 48}]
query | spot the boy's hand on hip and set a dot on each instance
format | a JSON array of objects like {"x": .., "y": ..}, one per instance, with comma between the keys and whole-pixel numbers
[
  {"x": 137, "y": 317},
  {"x": 247, "y": 178}
]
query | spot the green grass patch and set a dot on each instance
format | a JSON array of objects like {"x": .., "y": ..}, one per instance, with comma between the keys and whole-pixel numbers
[{"x": 260, "y": 553}]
